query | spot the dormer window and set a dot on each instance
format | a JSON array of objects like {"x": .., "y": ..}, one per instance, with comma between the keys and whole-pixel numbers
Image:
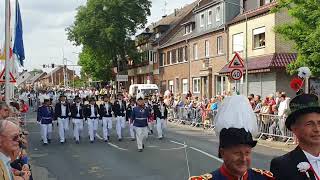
[
  {"x": 209, "y": 17},
  {"x": 157, "y": 35},
  {"x": 218, "y": 15},
  {"x": 202, "y": 20},
  {"x": 188, "y": 29}
]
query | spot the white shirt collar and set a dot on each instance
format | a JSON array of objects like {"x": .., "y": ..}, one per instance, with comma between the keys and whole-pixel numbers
[
  {"x": 4, "y": 158},
  {"x": 314, "y": 161}
]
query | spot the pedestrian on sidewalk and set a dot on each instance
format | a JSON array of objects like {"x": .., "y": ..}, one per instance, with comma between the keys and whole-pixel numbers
[
  {"x": 62, "y": 114},
  {"x": 24, "y": 108},
  {"x": 4, "y": 110},
  {"x": 45, "y": 118},
  {"x": 140, "y": 116}
]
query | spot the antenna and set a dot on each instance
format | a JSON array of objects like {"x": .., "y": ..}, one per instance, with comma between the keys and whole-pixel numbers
[{"x": 165, "y": 7}]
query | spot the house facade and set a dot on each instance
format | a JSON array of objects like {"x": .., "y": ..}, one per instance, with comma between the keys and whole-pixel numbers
[{"x": 266, "y": 55}]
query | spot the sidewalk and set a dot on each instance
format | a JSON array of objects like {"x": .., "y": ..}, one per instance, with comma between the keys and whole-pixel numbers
[{"x": 271, "y": 144}]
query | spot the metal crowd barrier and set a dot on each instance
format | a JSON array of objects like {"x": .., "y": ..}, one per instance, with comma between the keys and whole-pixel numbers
[{"x": 273, "y": 126}]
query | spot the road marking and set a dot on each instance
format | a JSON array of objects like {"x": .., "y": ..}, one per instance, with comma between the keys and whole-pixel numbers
[
  {"x": 115, "y": 146},
  {"x": 207, "y": 154},
  {"x": 178, "y": 143},
  {"x": 98, "y": 136},
  {"x": 173, "y": 148}
]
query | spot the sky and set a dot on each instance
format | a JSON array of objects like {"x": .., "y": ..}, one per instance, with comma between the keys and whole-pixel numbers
[{"x": 44, "y": 23}]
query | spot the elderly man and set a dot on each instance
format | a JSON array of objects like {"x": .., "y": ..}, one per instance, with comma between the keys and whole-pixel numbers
[
  {"x": 234, "y": 123},
  {"x": 304, "y": 161},
  {"x": 9, "y": 144}
]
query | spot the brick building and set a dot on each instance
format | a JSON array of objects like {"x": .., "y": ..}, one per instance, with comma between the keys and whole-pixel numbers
[{"x": 55, "y": 78}]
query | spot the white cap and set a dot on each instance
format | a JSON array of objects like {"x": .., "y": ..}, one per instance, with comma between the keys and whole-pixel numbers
[{"x": 236, "y": 112}]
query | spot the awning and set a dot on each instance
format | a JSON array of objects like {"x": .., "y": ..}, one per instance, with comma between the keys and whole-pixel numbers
[{"x": 265, "y": 63}]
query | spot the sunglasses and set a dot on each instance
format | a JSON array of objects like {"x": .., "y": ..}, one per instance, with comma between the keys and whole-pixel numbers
[{"x": 15, "y": 138}]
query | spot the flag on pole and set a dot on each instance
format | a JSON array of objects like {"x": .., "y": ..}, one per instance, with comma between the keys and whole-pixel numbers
[{"x": 18, "y": 47}]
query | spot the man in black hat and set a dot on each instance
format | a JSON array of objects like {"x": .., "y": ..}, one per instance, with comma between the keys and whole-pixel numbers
[
  {"x": 304, "y": 161},
  {"x": 106, "y": 116},
  {"x": 77, "y": 117},
  {"x": 91, "y": 114},
  {"x": 161, "y": 114},
  {"x": 119, "y": 109},
  {"x": 236, "y": 142},
  {"x": 62, "y": 114}
]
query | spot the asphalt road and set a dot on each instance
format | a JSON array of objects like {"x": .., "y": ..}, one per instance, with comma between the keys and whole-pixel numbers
[{"x": 182, "y": 151}]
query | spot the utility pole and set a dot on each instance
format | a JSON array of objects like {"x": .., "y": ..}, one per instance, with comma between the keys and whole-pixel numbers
[{"x": 7, "y": 47}]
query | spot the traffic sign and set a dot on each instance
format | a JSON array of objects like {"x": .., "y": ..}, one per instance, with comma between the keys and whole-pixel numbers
[
  {"x": 2, "y": 79},
  {"x": 236, "y": 62},
  {"x": 236, "y": 74}
]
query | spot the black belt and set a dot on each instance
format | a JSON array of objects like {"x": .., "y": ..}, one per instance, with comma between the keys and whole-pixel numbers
[
  {"x": 63, "y": 117},
  {"x": 77, "y": 118}
]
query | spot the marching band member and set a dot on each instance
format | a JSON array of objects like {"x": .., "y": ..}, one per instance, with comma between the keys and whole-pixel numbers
[
  {"x": 62, "y": 114},
  {"x": 119, "y": 110},
  {"x": 106, "y": 116},
  {"x": 77, "y": 117},
  {"x": 161, "y": 114},
  {"x": 91, "y": 114},
  {"x": 139, "y": 117},
  {"x": 129, "y": 113},
  {"x": 45, "y": 117}
]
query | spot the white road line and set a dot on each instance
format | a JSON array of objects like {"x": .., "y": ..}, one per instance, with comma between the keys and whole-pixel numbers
[
  {"x": 207, "y": 154},
  {"x": 178, "y": 143},
  {"x": 173, "y": 148},
  {"x": 115, "y": 146},
  {"x": 99, "y": 137}
]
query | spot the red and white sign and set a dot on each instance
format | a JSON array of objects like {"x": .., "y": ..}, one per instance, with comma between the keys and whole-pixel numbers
[
  {"x": 236, "y": 74},
  {"x": 2, "y": 79},
  {"x": 236, "y": 63}
]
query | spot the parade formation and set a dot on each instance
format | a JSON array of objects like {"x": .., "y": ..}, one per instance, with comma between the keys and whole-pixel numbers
[{"x": 139, "y": 114}]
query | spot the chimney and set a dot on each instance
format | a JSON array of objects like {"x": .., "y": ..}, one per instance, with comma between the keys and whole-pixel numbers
[{"x": 175, "y": 12}]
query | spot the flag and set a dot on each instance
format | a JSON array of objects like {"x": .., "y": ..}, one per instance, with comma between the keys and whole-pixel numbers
[{"x": 18, "y": 47}]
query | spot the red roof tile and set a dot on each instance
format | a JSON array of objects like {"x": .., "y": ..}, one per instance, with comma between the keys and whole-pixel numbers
[{"x": 273, "y": 61}]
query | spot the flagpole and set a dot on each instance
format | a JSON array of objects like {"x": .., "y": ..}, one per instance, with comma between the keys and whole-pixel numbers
[{"x": 7, "y": 48}]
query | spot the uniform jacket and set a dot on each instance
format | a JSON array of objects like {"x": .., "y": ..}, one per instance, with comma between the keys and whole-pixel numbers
[
  {"x": 140, "y": 116},
  {"x": 129, "y": 111},
  {"x": 45, "y": 115},
  {"x": 74, "y": 111},
  {"x": 103, "y": 110},
  {"x": 3, "y": 172},
  {"x": 158, "y": 113},
  {"x": 57, "y": 111},
  {"x": 285, "y": 167},
  {"x": 87, "y": 111},
  {"x": 119, "y": 111},
  {"x": 221, "y": 174}
]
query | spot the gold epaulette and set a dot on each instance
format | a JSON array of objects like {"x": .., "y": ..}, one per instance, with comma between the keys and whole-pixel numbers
[
  {"x": 263, "y": 172},
  {"x": 202, "y": 177}
]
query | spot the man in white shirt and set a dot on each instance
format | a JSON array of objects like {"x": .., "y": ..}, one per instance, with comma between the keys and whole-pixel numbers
[{"x": 304, "y": 122}]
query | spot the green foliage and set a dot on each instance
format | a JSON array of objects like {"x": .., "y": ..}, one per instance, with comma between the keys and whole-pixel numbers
[
  {"x": 104, "y": 28},
  {"x": 304, "y": 31}
]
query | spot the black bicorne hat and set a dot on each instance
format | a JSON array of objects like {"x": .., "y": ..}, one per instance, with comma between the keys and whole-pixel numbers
[
  {"x": 234, "y": 136},
  {"x": 300, "y": 105}
]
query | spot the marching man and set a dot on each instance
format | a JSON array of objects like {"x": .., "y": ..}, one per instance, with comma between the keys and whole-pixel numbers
[
  {"x": 77, "y": 117},
  {"x": 129, "y": 113},
  {"x": 91, "y": 114},
  {"x": 119, "y": 110},
  {"x": 139, "y": 117},
  {"x": 62, "y": 113},
  {"x": 161, "y": 114},
  {"x": 106, "y": 116},
  {"x": 45, "y": 117}
]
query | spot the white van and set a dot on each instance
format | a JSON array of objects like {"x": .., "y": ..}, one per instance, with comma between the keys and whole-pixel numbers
[{"x": 145, "y": 89}]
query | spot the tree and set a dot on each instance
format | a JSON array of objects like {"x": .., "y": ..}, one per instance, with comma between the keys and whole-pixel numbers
[
  {"x": 304, "y": 31},
  {"x": 104, "y": 28}
]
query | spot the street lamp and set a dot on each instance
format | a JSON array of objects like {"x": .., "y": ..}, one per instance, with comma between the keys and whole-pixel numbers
[{"x": 246, "y": 45}]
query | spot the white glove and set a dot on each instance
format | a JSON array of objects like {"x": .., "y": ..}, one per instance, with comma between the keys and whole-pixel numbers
[
  {"x": 98, "y": 115},
  {"x": 69, "y": 114}
]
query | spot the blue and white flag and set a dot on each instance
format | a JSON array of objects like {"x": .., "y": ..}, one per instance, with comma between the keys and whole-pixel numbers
[{"x": 18, "y": 47}]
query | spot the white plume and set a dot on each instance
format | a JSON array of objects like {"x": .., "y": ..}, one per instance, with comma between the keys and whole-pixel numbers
[{"x": 304, "y": 72}]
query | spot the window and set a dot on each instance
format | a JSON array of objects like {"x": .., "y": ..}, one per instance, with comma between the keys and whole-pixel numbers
[
  {"x": 162, "y": 59},
  {"x": 168, "y": 57},
  {"x": 154, "y": 57},
  {"x": 259, "y": 37},
  {"x": 173, "y": 56},
  {"x": 180, "y": 54},
  {"x": 207, "y": 48},
  {"x": 188, "y": 29},
  {"x": 202, "y": 20},
  {"x": 177, "y": 85},
  {"x": 209, "y": 17},
  {"x": 157, "y": 35},
  {"x": 171, "y": 86},
  {"x": 184, "y": 86},
  {"x": 195, "y": 51},
  {"x": 184, "y": 54},
  {"x": 218, "y": 14},
  {"x": 237, "y": 42},
  {"x": 196, "y": 85},
  {"x": 219, "y": 45}
]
